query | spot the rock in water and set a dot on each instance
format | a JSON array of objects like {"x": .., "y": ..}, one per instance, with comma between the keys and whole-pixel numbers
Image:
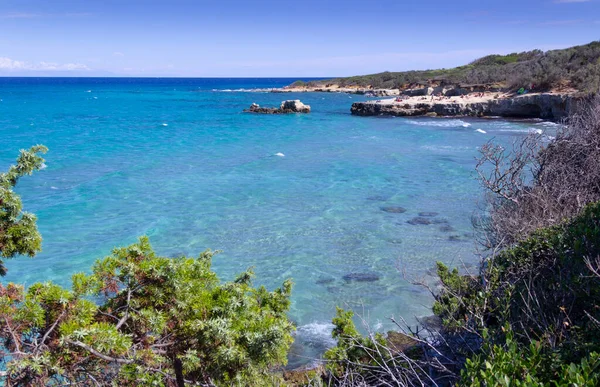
[
  {"x": 393, "y": 210},
  {"x": 428, "y": 214},
  {"x": 446, "y": 228},
  {"x": 294, "y": 106},
  {"x": 290, "y": 106},
  {"x": 419, "y": 220},
  {"x": 361, "y": 277}
]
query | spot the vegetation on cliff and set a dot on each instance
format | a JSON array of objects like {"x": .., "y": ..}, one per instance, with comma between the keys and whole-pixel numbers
[{"x": 575, "y": 67}]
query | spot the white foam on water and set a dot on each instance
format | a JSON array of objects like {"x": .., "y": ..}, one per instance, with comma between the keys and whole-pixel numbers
[
  {"x": 527, "y": 130},
  {"x": 43, "y": 166},
  {"x": 480, "y": 131},
  {"x": 453, "y": 123},
  {"x": 317, "y": 333},
  {"x": 88, "y": 91},
  {"x": 445, "y": 148},
  {"x": 164, "y": 124},
  {"x": 549, "y": 124},
  {"x": 95, "y": 97},
  {"x": 279, "y": 154},
  {"x": 53, "y": 187}
]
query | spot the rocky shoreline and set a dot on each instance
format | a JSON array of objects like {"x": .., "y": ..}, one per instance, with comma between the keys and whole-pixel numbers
[{"x": 547, "y": 106}]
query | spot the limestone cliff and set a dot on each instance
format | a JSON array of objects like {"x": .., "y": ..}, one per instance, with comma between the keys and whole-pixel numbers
[{"x": 546, "y": 106}]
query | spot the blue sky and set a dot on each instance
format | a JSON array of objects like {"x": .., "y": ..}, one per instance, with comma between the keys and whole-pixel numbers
[{"x": 268, "y": 38}]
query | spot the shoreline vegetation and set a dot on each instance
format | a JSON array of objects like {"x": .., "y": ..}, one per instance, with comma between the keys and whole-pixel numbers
[{"x": 532, "y": 84}]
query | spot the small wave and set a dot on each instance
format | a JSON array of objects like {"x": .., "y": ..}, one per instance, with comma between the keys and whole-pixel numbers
[
  {"x": 164, "y": 124},
  {"x": 481, "y": 131},
  {"x": 445, "y": 148},
  {"x": 279, "y": 154},
  {"x": 88, "y": 91},
  {"x": 441, "y": 123},
  {"x": 53, "y": 187},
  {"x": 316, "y": 334},
  {"x": 528, "y": 130},
  {"x": 242, "y": 90},
  {"x": 43, "y": 166}
]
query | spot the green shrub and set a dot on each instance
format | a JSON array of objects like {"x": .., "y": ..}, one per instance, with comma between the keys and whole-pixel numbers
[
  {"x": 18, "y": 229},
  {"x": 155, "y": 321},
  {"x": 512, "y": 364}
]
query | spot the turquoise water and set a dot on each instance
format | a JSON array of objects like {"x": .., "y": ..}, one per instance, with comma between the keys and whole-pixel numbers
[{"x": 177, "y": 160}]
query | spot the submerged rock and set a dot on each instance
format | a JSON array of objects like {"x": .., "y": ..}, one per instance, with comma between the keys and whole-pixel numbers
[
  {"x": 361, "y": 277},
  {"x": 377, "y": 198},
  {"x": 286, "y": 107},
  {"x": 439, "y": 221},
  {"x": 454, "y": 238},
  {"x": 446, "y": 228},
  {"x": 394, "y": 210},
  {"x": 428, "y": 214},
  {"x": 324, "y": 281},
  {"x": 419, "y": 221}
]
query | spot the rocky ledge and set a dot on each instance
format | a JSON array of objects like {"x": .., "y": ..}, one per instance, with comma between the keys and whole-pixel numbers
[
  {"x": 286, "y": 107},
  {"x": 545, "y": 105}
]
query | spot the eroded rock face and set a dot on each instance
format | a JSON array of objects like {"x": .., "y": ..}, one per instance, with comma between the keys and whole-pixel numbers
[
  {"x": 286, "y": 107},
  {"x": 546, "y": 106}
]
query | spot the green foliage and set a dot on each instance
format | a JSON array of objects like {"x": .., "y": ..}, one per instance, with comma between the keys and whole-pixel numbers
[
  {"x": 18, "y": 229},
  {"x": 535, "y": 307},
  {"x": 298, "y": 83},
  {"x": 351, "y": 345},
  {"x": 512, "y": 364},
  {"x": 577, "y": 66},
  {"x": 155, "y": 321}
]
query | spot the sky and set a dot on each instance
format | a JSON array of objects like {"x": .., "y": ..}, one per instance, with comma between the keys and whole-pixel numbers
[{"x": 277, "y": 38}]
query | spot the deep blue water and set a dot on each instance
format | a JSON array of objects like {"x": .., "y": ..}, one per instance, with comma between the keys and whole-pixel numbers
[{"x": 177, "y": 160}]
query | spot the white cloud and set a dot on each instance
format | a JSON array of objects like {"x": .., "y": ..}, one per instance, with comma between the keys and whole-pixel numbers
[
  {"x": 7, "y": 64},
  {"x": 117, "y": 53}
]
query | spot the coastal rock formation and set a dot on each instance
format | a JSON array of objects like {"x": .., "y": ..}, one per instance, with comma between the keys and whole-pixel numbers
[
  {"x": 295, "y": 106},
  {"x": 289, "y": 106},
  {"x": 546, "y": 106}
]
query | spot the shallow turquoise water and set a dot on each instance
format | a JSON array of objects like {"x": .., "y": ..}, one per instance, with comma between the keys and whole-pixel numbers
[{"x": 181, "y": 163}]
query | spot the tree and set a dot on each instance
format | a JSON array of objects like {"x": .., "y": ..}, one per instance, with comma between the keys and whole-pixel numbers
[
  {"x": 18, "y": 229},
  {"x": 141, "y": 320}
]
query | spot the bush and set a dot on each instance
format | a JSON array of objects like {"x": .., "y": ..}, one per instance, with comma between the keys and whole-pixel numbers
[
  {"x": 155, "y": 321},
  {"x": 539, "y": 184},
  {"x": 511, "y": 364},
  {"x": 18, "y": 229}
]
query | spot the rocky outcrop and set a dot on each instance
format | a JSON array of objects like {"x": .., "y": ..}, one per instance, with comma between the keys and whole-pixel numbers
[
  {"x": 286, "y": 107},
  {"x": 546, "y": 106}
]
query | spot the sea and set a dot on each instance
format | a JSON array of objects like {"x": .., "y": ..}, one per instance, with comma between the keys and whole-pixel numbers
[{"x": 354, "y": 209}]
